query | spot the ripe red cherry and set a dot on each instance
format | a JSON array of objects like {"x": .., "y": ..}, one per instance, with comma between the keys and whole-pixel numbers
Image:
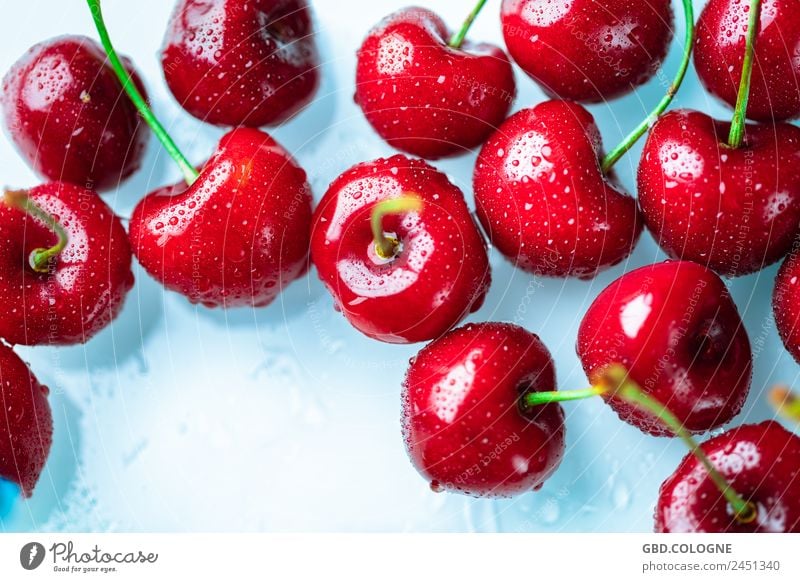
[
  {"x": 230, "y": 62},
  {"x": 732, "y": 209},
  {"x": 64, "y": 109},
  {"x": 543, "y": 199},
  {"x": 238, "y": 234},
  {"x": 425, "y": 97},
  {"x": 760, "y": 461},
  {"x": 82, "y": 288},
  {"x": 463, "y": 425},
  {"x": 786, "y": 304},
  {"x": 588, "y": 50},
  {"x": 435, "y": 274},
  {"x": 676, "y": 330},
  {"x": 26, "y": 427},
  {"x": 720, "y": 48}
]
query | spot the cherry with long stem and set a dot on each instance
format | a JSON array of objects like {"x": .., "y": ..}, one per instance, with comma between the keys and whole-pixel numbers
[
  {"x": 386, "y": 246},
  {"x": 736, "y": 135},
  {"x": 688, "y": 44},
  {"x": 40, "y": 259},
  {"x": 615, "y": 382},
  {"x": 458, "y": 38},
  {"x": 189, "y": 172}
]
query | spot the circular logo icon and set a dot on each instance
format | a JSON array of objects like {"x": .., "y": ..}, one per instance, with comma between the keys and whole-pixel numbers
[{"x": 31, "y": 555}]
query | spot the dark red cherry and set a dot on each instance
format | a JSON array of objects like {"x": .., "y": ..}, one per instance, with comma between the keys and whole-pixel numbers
[
  {"x": 439, "y": 270},
  {"x": 238, "y": 235},
  {"x": 463, "y": 425},
  {"x": 734, "y": 210},
  {"x": 237, "y": 62},
  {"x": 786, "y": 304},
  {"x": 588, "y": 50},
  {"x": 543, "y": 199},
  {"x": 720, "y": 48},
  {"x": 676, "y": 330},
  {"x": 425, "y": 97},
  {"x": 82, "y": 289},
  {"x": 26, "y": 425},
  {"x": 65, "y": 110},
  {"x": 760, "y": 461}
]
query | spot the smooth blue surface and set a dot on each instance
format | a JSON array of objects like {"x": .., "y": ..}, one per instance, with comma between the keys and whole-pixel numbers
[
  {"x": 9, "y": 495},
  {"x": 285, "y": 418}
]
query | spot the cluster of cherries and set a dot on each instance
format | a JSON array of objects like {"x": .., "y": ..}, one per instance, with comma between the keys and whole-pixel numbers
[{"x": 395, "y": 243}]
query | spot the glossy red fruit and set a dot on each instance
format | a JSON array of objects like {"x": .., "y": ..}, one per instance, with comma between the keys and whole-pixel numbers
[
  {"x": 734, "y": 210},
  {"x": 463, "y": 426},
  {"x": 238, "y": 235},
  {"x": 543, "y": 199},
  {"x": 26, "y": 426},
  {"x": 424, "y": 97},
  {"x": 760, "y": 461},
  {"x": 719, "y": 54},
  {"x": 65, "y": 110},
  {"x": 676, "y": 330},
  {"x": 87, "y": 282},
  {"x": 588, "y": 50},
  {"x": 230, "y": 62},
  {"x": 786, "y": 304},
  {"x": 440, "y": 272}
]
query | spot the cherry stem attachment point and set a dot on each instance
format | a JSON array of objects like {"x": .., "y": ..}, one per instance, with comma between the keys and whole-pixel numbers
[
  {"x": 615, "y": 382},
  {"x": 458, "y": 38},
  {"x": 738, "y": 124},
  {"x": 189, "y": 172},
  {"x": 40, "y": 258},
  {"x": 688, "y": 45},
  {"x": 386, "y": 246},
  {"x": 785, "y": 402}
]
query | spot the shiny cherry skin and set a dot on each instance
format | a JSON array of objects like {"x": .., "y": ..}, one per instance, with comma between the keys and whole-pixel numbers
[
  {"x": 676, "y": 330},
  {"x": 462, "y": 422},
  {"x": 733, "y": 210},
  {"x": 440, "y": 272},
  {"x": 238, "y": 235},
  {"x": 543, "y": 199},
  {"x": 65, "y": 110},
  {"x": 86, "y": 285},
  {"x": 424, "y": 97},
  {"x": 786, "y": 304},
  {"x": 719, "y": 54},
  {"x": 760, "y": 461},
  {"x": 230, "y": 62},
  {"x": 588, "y": 50},
  {"x": 26, "y": 426}
]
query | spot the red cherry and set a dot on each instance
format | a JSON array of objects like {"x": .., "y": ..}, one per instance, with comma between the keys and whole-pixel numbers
[
  {"x": 439, "y": 272},
  {"x": 732, "y": 209},
  {"x": 720, "y": 49},
  {"x": 462, "y": 423},
  {"x": 676, "y": 330},
  {"x": 543, "y": 199},
  {"x": 425, "y": 97},
  {"x": 230, "y": 62},
  {"x": 760, "y": 461},
  {"x": 588, "y": 50},
  {"x": 238, "y": 234},
  {"x": 26, "y": 425},
  {"x": 82, "y": 289},
  {"x": 786, "y": 304},
  {"x": 63, "y": 108}
]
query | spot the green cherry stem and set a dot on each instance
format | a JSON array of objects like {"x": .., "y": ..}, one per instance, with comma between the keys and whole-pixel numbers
[
  {"x": 386, "y": 246},
  {"x": 615, "y": 382},
  {"x": 458, "y": 38},
  {"x": 688, "y": 44},
  {"x": 40, "y": 258},
  {"x": 736, "y": 135},
  {"x": 189, "y": 172}
]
